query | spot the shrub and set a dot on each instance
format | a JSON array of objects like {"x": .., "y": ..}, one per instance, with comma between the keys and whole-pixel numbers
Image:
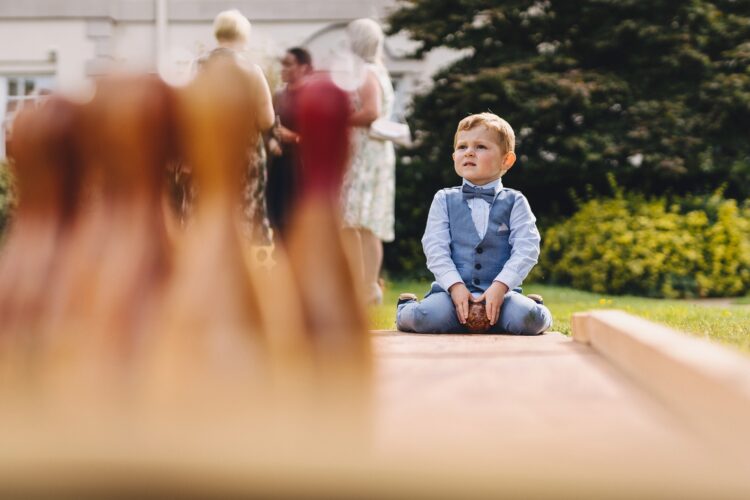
[
  {"x": 7, "y": 196},
  {"x": 690, "y": 247}
]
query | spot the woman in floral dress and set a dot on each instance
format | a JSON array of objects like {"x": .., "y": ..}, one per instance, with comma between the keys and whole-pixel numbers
[
  {"x": 369, "y": 186},
  {"x": 232, "y": 31}
]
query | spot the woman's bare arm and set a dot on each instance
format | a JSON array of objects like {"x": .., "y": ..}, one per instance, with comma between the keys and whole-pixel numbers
[
  {"x": 264, "y": 101},
  {"x": 369, "y": 94}
]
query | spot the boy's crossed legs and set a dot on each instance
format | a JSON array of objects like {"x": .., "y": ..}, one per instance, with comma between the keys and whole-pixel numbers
[{"x": 436, "y": 314}]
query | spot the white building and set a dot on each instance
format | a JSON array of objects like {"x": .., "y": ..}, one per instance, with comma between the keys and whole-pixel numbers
[{"x": 59, "y": 44}]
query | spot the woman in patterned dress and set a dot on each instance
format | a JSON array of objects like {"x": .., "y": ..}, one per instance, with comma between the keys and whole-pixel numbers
[
  {"x": 232, "y": 31},
  {"x": 369, "y": 186}
]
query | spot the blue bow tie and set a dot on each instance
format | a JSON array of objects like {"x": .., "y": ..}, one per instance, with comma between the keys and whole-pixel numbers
[{"x": 487, "y": 194}]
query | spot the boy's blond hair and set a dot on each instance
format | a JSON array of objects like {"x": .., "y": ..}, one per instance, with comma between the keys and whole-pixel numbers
[
  {"x": 231, "y": 26},
  {"x": 506, "y": 138}
]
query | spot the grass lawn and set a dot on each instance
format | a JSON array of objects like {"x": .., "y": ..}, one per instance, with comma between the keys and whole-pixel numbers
[{"x": 728, "y": 324}]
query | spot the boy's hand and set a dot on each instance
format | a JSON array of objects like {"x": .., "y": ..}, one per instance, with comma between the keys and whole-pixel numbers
[
  {"x": 460, "y": 296},
  {"x": 493, "y": 297}
]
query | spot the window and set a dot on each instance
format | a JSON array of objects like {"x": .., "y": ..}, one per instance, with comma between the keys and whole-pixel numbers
[
  {"x": 15, "y": 92},
  {"x": 20, "y": 89}
]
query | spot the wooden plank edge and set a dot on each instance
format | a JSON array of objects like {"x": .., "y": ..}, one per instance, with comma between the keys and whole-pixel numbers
[{"x": 705, "y": 383}]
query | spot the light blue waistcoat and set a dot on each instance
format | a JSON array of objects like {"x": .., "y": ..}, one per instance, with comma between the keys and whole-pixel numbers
[{"x": 479, "y": 261}]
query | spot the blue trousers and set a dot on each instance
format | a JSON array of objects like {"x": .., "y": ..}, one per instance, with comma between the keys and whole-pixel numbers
[{"x": 436, "y": 314}]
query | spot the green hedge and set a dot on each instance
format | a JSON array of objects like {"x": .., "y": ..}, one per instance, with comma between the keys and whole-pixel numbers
[{"x": 690, "y": 247}]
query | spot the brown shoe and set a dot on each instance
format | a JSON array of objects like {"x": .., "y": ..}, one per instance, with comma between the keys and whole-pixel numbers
[
  {"x": 536, "y": 298},
  {"x": 405, "y": 297}
]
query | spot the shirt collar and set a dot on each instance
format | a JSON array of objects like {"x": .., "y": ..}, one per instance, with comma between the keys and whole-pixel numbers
[{"x": 497, "y": 185}]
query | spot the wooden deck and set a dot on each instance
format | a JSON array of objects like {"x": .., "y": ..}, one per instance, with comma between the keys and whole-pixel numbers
[
  {"x": 453, "y": 416},
  {"x": 496, "y": 386},
  {"x": 512, "y": 408}
]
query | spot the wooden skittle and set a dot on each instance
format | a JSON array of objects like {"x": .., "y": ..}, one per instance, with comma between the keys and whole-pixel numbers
[
  {"x": 136, "y": 120},
  {"x": 335, "y": 319},
  {"x": 212, "y": 342},
  {"x": 290, "y": 350},
  {"x": 68, "y": 314},
  {"x": 115, "y": 257},
  {"x": 45, "y": 161}
]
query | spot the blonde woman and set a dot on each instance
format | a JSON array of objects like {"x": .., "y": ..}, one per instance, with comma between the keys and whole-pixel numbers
[
  {"x": 232, "y": 32},
  {"x": 370, "y": 184}
]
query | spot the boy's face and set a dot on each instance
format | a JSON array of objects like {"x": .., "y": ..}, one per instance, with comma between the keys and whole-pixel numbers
[{"x": 478, "y": 157}]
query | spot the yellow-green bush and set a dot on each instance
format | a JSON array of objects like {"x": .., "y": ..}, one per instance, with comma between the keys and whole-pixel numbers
[
  {"x": 630, "y": 245},
  {"x": 7, "y": 198}
]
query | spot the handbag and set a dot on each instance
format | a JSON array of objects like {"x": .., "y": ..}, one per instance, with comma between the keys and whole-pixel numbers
[{"x": 384, "y": 129}]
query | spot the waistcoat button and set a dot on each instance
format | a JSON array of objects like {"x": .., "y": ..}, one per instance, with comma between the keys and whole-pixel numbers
[
  {"x": 477, "y": 266},
  {"x": 480, "y": 250},
  {"x": 475, "y": 281}
]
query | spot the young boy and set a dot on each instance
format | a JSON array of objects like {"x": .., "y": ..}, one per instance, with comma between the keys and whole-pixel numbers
[{"x": 480, "y": 241}]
